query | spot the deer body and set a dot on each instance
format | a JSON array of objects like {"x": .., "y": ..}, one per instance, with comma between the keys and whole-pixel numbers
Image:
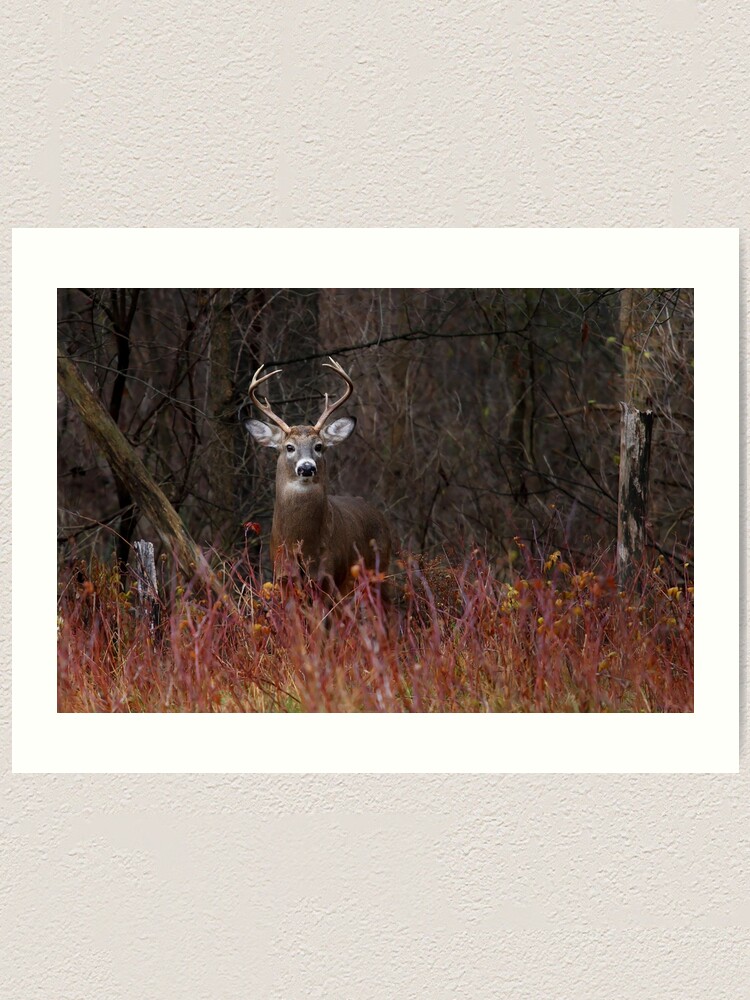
[{"x": 327, "y": 535}]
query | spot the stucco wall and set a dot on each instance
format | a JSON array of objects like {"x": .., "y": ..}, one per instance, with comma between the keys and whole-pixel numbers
[{"x": 318, "y": 114}]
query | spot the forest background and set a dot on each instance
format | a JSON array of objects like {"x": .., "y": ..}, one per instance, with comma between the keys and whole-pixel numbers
[{"x": 486, "y": 417}]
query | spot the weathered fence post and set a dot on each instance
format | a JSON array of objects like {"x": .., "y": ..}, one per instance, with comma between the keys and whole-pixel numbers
[
  {"x": 635, "y": 456},
  {"x": 145, "y": 578}
]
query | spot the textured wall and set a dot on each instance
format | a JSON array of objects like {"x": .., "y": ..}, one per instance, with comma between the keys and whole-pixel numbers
[{"x": 131, "y": 114}]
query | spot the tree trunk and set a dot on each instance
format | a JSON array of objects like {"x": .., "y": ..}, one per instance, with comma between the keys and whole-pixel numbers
[
  {"x": 222, "y": 466},
  {"x": 129, "y": 469},
  {"x": 635, "y": 456},
  {"x": 642, "y": 347},
  {"x": 122, "y": 316},
  {"x": 523, "y": 384}
]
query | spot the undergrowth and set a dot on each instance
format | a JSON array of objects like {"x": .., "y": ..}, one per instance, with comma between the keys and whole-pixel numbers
[{"x": 554, "y": 639}]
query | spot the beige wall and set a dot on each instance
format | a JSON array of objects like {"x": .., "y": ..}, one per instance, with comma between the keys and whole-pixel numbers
[{"x": 332, "y": 114}]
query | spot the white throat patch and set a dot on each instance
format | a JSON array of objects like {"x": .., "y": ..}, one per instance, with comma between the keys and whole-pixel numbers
[{"x": 300, "y": 484}]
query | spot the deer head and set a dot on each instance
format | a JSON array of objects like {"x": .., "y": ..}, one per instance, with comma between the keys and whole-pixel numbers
[{"x": 328, "y": 534}]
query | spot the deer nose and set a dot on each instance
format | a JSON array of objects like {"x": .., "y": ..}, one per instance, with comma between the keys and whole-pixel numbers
[{"x": 306, "y": 468}]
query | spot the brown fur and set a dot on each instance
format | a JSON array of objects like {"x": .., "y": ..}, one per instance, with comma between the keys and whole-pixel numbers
[{"x": 329, "y": 534}]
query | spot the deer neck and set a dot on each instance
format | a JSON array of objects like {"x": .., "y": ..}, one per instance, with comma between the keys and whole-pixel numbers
[{"x": 300, "y": 515}]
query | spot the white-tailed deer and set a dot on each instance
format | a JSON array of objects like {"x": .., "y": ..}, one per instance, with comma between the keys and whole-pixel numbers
[{"x": 326, "y": 534}]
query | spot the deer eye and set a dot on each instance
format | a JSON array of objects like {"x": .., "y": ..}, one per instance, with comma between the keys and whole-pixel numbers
[
  {"x": 318, "y": 447},
  {"x": 290, "y": 448}
]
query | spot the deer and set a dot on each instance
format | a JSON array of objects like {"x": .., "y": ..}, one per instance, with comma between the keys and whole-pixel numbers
[{"x": 326, "y": 535}]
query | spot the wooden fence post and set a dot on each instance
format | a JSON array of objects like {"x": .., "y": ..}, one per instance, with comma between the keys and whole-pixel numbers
[
  {"x": 145, "y": 579},
  {"x": 635, "y": 457}
]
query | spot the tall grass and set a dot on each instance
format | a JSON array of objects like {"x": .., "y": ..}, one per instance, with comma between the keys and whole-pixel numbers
[{"x": 455, "y": 639}]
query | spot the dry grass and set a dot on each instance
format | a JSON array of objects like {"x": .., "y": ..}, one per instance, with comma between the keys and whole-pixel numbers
[{"x": 555, "y": 639}]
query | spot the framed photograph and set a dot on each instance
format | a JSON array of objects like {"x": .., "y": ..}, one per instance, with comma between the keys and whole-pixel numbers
[{"x": 417, "y": 501}]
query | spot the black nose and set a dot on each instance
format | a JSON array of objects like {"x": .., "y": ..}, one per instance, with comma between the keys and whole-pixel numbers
[{"x": 306, "y": 469}]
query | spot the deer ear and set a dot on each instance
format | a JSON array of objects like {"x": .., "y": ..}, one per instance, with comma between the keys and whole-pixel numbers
[
  {"x": 339, "y": 430},
  {"x": 269, "y": 437}
]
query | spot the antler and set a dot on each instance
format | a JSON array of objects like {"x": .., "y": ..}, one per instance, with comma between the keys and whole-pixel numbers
[
  {"x": 265, "y": 407},
  {"x": 336, "y": 367}
]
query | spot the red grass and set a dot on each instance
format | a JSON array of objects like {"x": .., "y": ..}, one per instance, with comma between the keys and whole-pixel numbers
[{"x": 455, "y": 640}]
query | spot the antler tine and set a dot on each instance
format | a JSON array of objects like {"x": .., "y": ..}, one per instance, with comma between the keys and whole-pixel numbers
[
  {"x": 335, "y": 367},
  {"x": 265, "y": 407}
]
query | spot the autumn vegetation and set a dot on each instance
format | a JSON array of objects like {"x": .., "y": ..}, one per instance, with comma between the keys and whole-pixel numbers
[{"x": 555, "y": 638}]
